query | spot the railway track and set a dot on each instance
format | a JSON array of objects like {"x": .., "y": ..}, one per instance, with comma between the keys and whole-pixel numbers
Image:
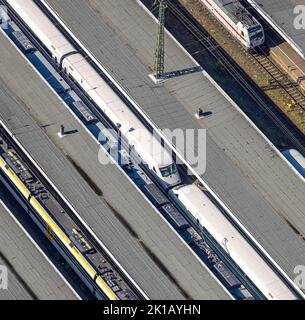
[
  {"x": 124, "y": 145},
  {"x": 108, "y": 124},
  {"x": 87, "y": 236},
  {"x": 198, "y": 36},
  {"x": 279, "y": 79}
]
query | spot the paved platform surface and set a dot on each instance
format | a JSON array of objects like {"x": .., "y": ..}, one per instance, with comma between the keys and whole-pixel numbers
[
  {"x": 15, "y": 290},
  {"x": 287, "y": 18},
  {"x": 30, "y": 275},
  {"x": 151, "y": 253},
  {"x": 242, "y": 168}
]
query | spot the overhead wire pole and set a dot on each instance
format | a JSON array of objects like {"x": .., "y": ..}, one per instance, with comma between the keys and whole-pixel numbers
[
  {"x": 159, "y": 54},
  {"x": 158, "y": 75}
]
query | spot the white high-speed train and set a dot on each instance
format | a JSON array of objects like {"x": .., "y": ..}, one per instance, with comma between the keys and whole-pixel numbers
[
  {"x": 158, "y": 159},
  {"x": 296, "y": 159},
  {"x": 249, "y": 261},
  {"x": 161, "y": 162},
  {"x": 238, "y": 21}
]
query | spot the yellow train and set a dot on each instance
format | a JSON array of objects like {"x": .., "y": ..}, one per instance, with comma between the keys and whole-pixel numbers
[{"x": 58, "y": 234}]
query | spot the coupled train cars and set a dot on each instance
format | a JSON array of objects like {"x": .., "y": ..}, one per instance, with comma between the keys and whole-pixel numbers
[
  {"x": 193, "y": 199},
  {"x": 236, "y": 246},
  {"x": 74, "y": 64},
  {"x": 86, "y": 258},
  {"x": 238, "y": 21}
]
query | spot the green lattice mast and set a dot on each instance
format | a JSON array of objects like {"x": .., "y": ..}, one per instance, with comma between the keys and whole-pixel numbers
[{"x": 159, "y": 54}]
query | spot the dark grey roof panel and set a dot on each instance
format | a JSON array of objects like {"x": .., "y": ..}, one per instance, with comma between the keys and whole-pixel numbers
[{"x": 30, "y": 275}]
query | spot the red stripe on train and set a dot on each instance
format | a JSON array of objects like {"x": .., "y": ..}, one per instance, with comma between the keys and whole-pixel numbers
[{"x": 227, "y": 21}]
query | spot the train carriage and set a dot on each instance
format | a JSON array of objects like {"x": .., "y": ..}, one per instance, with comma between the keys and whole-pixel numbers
[
  {"x": 238, "y": 21},
  {"x": 77, "y": 67},
  {"x": 296, "y": 159},
  {"x": 236, "y": 246}
]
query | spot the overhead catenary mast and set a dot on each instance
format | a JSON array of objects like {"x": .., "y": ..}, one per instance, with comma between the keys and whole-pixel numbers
[
  {"x": 159, "y": 75},
  {"x": 159, "y": 54}
]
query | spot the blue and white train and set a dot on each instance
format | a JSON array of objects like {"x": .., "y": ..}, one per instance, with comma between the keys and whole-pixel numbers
[{"x": 296, "y": 159}]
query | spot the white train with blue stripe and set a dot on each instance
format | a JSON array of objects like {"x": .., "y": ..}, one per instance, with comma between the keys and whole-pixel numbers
[{"x": 296, "y": 159}]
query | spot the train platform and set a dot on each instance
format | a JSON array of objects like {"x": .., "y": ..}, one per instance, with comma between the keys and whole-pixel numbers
[
  {"x": 30, "y": 275},
  {"x": 290, "y": 53},
  {"x": 243, "y": 169},
  {"x": 143, "y": 243},
  {"x": 285, "y": 19}
]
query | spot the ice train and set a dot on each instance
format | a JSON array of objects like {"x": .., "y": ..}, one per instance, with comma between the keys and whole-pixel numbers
[
  {"x": 236, "y": 246},
  {"x": 161, "y": 163},
  {"x": 238, "y": 21}
]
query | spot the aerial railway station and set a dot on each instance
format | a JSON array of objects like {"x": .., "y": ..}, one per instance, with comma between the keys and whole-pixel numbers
[
  {"x": 237, "y": 150},
  {"x": 249, "y": 182},
  {"x": 101, "y": 214}
]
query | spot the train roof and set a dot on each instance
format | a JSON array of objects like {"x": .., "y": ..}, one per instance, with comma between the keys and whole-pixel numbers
[
  {"x": 31, "y": 12},
  {"x": 237, "y": 12},
  {"x": 228, "y": 236},
  {"x": 130, "y": 124},
  {"x": 298, "y": 157}
]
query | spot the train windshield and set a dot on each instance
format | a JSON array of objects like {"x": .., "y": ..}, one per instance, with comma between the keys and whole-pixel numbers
[
  {"x": 257, "y": 36},
  {"x": 169, "y": 170},
  {"x": 256, "y": 33}
]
